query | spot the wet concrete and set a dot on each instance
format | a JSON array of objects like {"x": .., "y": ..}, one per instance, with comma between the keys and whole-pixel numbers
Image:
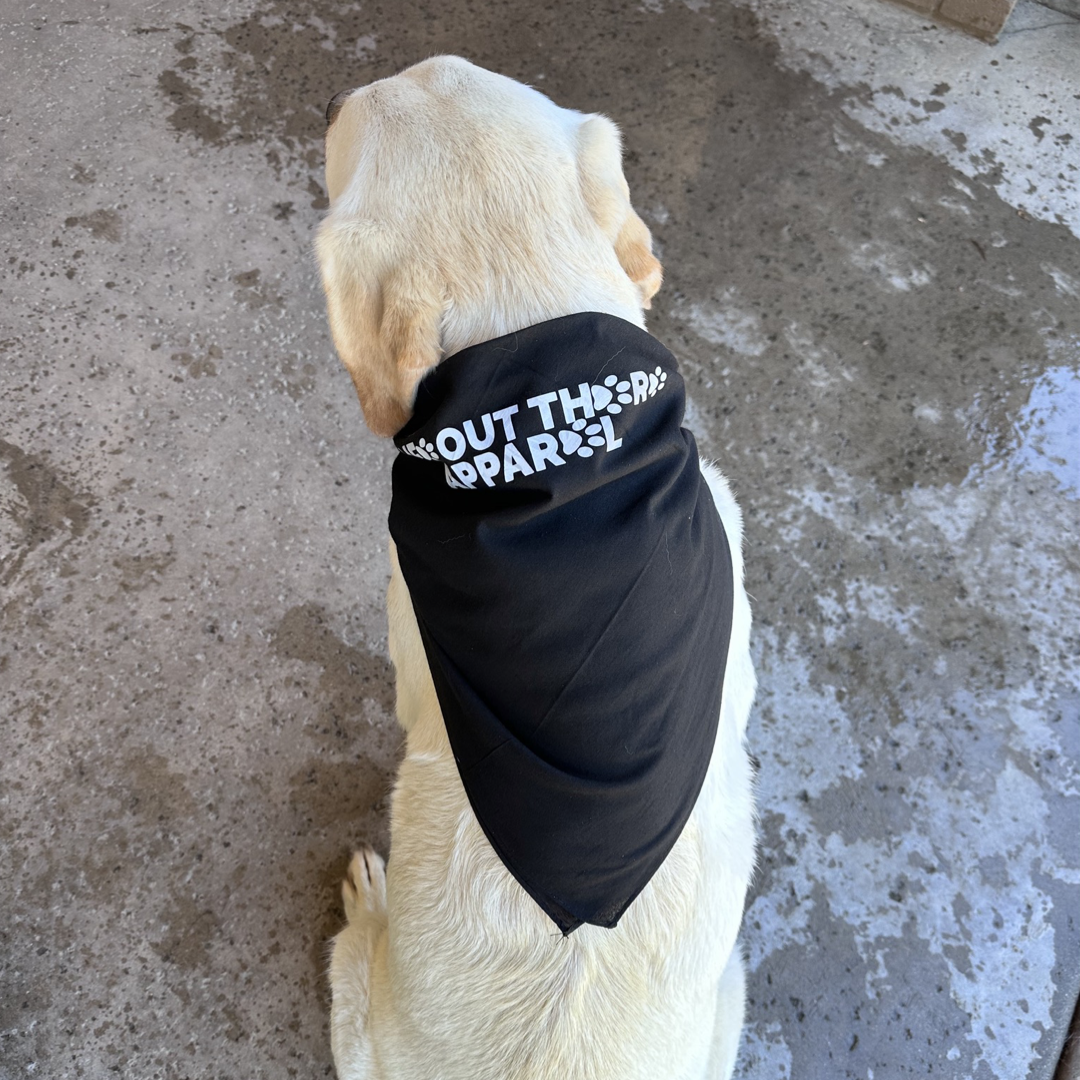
[{"x": 873, "y": 282}]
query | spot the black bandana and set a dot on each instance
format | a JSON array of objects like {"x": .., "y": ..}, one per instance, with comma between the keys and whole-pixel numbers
[{"x": 572, "y": 584}]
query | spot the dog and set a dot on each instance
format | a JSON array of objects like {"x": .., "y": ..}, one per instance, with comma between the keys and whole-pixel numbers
[{"x": 466, "y": 209}]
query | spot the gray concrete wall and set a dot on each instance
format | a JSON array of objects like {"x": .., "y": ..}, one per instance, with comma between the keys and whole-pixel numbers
[{"x": 870, "y": 233}]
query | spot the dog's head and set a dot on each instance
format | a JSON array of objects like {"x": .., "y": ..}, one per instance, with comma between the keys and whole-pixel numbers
[{"x": 463, "y": 206}]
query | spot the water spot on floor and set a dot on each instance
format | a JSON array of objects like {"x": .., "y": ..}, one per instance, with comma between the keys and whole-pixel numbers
[
  {"x": 1048, "y": 429},
  {"x": 188, "y": 932},
  {"x": 319, "y": 201},
  {"x": 352, "y": 674},
  {"x": 267, "y": 76},
  {"x": 873, "y": 807},
  {"x": 188, "y": 114},
  {"x": 43, "y": 507},
  {"x": 139, "y": 571},
  {"x": 103, "y": 224},
  {"x": 154, "y": 789},
  {"x": 254, "y": 293},
  {"x": 297, "y": 379},
  {"x": 1037, "y": 126},
  {"x": 198, "y": 366},
  {"x": 1044, "y": 437},
  {"x": 877, "y": 874},
  {"x": 350, "y": 794}
]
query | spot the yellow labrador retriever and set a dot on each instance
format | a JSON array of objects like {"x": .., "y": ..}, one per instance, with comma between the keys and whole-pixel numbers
[{"x": 473, "y": 222}]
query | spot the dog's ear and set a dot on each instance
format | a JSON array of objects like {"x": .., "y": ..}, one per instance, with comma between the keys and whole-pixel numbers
[
  {"x": 599, "y": 159},
  {"x": 384, "y": 318}
]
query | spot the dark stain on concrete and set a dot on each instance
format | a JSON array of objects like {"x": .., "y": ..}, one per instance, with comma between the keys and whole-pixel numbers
[
  {"x": 875, "y": 807},
  {"x": 154, "y": 790},
  {"x": 350, "y": 795},
  {"x": 52, "y": 507},
  {"x": 348, "y": 799},
  {"x": 139, "y": 571},
  {"x": 281, "y": 50},
  {"x": 778, "y": 847},
  {"x": 103, "y": 224},
  {"x": 190, "y": 930},
  {"x": 296, "y": 383},
  {"x": 351, "y": 674},
  {"x": 254, "y": 293},
  {"x": 905, "y": 1014},
  {"x": 319, "y": 201},
  {"x": 198, "y": 366},
  {"x": 188, "y": 115},
  {"x": 278, "y": 67},
  {"x": 1037, "y": 125}
]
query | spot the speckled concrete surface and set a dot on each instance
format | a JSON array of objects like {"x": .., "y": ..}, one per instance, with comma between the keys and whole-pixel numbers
[{"x": 870, "y": 229}]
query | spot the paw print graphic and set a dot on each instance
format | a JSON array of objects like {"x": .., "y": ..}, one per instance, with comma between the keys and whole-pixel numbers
[
  {"x": 595, "y": 435},
  {"x": 423, "y": 449},
  {"x": 604, "y": 397},
  {"x": 657, "y": 379},
  {"x": 573, "y": 442}
]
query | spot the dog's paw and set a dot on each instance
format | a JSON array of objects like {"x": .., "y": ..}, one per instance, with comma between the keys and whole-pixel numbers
[{"x": 364, "y": 887}]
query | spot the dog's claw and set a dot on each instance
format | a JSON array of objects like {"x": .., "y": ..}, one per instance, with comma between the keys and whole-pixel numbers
[{"x": 364, "y": 887}]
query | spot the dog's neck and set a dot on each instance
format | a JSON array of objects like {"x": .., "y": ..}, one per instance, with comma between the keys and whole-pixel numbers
[{"x": 472, "y": 324}]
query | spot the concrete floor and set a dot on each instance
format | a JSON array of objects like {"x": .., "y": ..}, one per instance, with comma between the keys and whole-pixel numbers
[{"x": 871, "y": 231}]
